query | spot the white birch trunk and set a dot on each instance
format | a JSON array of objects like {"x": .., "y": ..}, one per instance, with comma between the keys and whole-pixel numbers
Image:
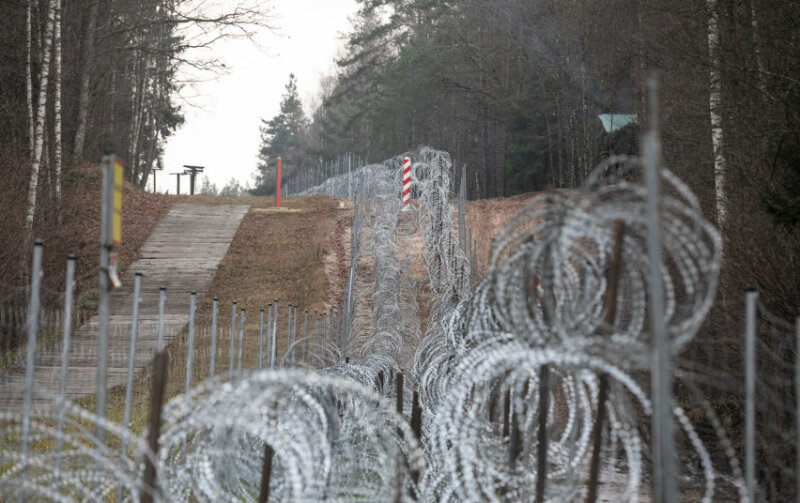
[
  {"x": 762, "y": 72},
  {"x": 29, "y": 78},
  {"x": 87, "y": 55},
  {"x": 38, "y": 142},
  {"x": 715, "y": 111},
  {"x": 133, "y": 139},
  {"x": 57, "y": 152}
]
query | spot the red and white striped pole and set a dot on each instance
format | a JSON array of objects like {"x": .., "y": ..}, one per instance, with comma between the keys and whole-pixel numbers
[
  {"x": 406, "y": 182},
  {"x": 278, "y": 191}
]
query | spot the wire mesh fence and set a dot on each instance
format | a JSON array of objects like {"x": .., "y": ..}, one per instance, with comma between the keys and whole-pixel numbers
[{"x": 528, "y": 383}]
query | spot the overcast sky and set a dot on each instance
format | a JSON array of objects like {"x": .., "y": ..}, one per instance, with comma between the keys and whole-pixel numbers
[{"x": 221, "y": 128}]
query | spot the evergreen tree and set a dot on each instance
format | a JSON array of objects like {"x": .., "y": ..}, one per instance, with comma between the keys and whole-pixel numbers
[
  {"x": 282, "y": 136},
  {"x": 208, "y": 188},
  {"x": 232, "y": 188}
]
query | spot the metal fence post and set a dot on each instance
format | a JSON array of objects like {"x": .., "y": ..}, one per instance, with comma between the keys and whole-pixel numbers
[
  {"x": 233, "y": 341},
  {"x": 751, "y": 297},
  {"x": 797, "y": 393},
  {"x": 241, "y": 346},
  {"x": 190, "y": 349},
  {"x": 126, "y": 419},
  {"x": 260, "y": 339},
  {"x": 104, "y": 294},
  {"x": 273, "y": 356},
  {"x": 62, "y": 391},
  {"x": 288, "y": 331},
  {"x": 314, "y": 336},
  {"x": 305, "y": 335},
  {"x": 213, "y": 338},
  {"x": 294, "y": 334},
  {"x": 661, "y": 375},
  {"x": 269, "y": 332},
  {"x": 33, "y": 319}
]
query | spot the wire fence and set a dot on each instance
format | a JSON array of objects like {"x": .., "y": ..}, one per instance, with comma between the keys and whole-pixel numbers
[{"x": 529, "y": 383}]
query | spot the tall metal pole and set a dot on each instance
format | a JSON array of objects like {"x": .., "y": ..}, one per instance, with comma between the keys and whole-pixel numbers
[
  {"x": 750, "y": 394},
  {"x": 314, "y": 336},
  {"x": 104, "y": 300},
  {"x": 189, "y": 360},
  {"x": 126, "y": 418},
  {"x": 260, "y": 339},
  {"x": 269, "y": 332},
  {"x": 305, "y": 336},
  {"x": 190, "y": 349},
  {"x": 288, "y": 331},
  {"x": 661, "y": 376},
  {"x": 797, "y": 393},
  {"x": 233, "y": 341},
  {"x": 62, "y": 392},
  {"x": 278, "y": 190},
  {"x": 241, "y": 346},
  {"x": 27, "y": 404},
  {"x": 274, "y": 347},
  {"x": 213, "y": 338}
]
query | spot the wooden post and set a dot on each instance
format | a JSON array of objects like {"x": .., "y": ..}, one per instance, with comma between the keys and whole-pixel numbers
[
  {"x": 398, "y": 385},
  {"x": 278, "y": 190},
  {"x": 416, "y": 427},
  {"x": 416, "y": 416},
  {"x": 610, "y": 308},
  {"x": 266, "y": 474},
  {"x": 541, "y": 454},
  {"x": 154, "y": 428}
]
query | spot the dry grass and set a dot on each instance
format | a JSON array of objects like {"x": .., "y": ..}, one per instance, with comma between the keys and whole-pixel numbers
[
  {"x": 274, "y": 255},
  {"x": 78, "y": 233}
]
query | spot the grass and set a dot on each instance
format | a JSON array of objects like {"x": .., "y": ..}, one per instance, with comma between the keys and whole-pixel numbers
[
  {"x": 77, "y": 234},
  {"x": 274, "y": 255}
]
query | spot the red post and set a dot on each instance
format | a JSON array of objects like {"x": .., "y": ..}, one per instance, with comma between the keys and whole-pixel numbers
[
  {"x": 278, "y": 192},
  {"x": 406, "y": 182}
]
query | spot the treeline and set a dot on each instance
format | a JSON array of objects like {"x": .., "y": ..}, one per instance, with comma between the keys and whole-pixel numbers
[
  {"x": 514, "y": 90},
  {"x": 81, "y": 78}
]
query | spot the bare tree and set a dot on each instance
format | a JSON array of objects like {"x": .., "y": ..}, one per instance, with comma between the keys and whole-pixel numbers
[
  {"x": 39, "y": 130},
  {"x": 715, "y": 110},
  {"x": 28, "y": 76},
  {"x": 57, "y": 147},
  {"x": 87, "y": 59}
]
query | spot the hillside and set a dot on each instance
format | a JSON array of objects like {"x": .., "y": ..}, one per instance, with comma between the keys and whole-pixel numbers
[{"x": 77, "y": 234}]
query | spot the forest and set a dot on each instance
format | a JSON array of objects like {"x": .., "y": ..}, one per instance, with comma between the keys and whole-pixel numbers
[
  {"x": 82, "y": 78},
  {"x": 517, "y": 90},
  {"x": 527, "y": 95},
  {"x": 531, "y": 95}
]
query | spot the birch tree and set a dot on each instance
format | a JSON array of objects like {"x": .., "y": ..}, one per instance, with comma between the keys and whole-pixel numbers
[
  {"x": 87, "y": 58},
  {"x": 39, "y": 129},
  {"x": 715, "y": 110},
  {"x": 28, "y": 76},
  {"x": 57, "y": 150}
]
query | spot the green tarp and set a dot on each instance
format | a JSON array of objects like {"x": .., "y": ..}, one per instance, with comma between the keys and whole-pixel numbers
[{"x": 615, "y": 122}]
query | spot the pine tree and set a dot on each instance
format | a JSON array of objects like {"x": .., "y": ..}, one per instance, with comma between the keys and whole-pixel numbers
[
  {"x": 282, "y": 136},
  {"x": 232, "y": 188},
  {"x": 208, "y": 188}
]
